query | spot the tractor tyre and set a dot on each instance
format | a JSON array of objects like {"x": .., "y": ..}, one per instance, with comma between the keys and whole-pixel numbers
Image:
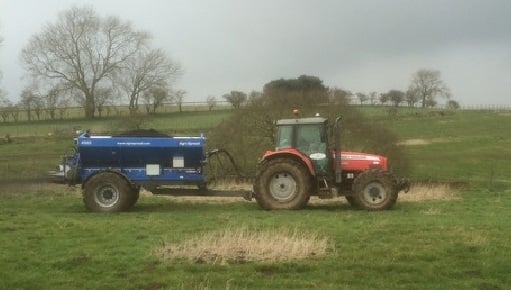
[
  {"x": 108, "y": 192},
  {"x": 282, "y": 183},
  {"x": 374, "y": 190}
]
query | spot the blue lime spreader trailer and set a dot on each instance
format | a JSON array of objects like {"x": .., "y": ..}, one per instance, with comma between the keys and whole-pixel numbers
[{"x": 112, "y": 169}]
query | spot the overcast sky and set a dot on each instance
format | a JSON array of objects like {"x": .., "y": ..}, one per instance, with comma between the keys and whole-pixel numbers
[{"x": 361, "y": 46}]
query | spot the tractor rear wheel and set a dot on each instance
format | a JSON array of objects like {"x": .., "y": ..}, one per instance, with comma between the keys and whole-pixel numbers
[
  {"x": 108, "y": 192},
  {"x": 374, "y": 190},
  {"x": 282, "y": 183}
]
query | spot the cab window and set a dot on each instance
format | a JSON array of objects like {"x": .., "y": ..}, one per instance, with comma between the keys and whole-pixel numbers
[
  {"x": 311, "y": 139},
  {"x": 285, "y": 137}
]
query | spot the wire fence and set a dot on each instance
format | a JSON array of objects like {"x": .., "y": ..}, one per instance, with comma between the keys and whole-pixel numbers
[
  {"x": 64, "y": 113},
  {"x": 11, "y": 114}
]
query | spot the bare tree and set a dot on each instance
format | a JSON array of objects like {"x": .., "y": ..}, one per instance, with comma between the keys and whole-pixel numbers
[
  {"x": 211, "y": 102},
  {"x": 31, "y": 102},
  {"x": 149, "y": 69},
  {"x": 428, "y": 85},
  {"x": 339, "y": 96},
  {"x": 362, "y": 97},
  {"x": 154, "y": 98},
  {"x": 38, "y": 107},
  {"x": 373, "y": 97},
  {"x": 179, "y": 97},
  {"x": 395, "y": 97},
  {"x": 5, "y": 108},
  {"x": 384, "y": 98},
  {"x": 254, "y": 96},
  {"x": 27, "y": 102},
  {"x": 235, "y": 98},
  {"x": 452, "y": 105},
  {"x": 15, "y": 113},
  {"x": 104, "y": 97},
  {"x": 411, "y": 97},
  {"x": 62, "y": 106},
  {"x": 51, "y": 102},
  {"x": 53, "y": 98},
  {"x": 81, "y": 49}
]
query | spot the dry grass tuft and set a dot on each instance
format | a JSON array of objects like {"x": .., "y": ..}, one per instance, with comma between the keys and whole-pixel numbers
[
  {"x": 428, "y": 191},
  {"x": 242, "y": 245},
  {"x": 415, "y": 142},
  {"x": 231, "y": 185}
]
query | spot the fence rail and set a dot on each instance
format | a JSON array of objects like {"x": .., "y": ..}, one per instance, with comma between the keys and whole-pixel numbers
[
  {"x": 19, "y": 114},
  {"x": 10, "y": 114}
]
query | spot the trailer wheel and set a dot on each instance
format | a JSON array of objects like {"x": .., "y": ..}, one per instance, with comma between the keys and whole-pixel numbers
[
  {"x": 282, "y": 184},
  {"x": 374, "y": 190},
  {"x": 107, "y": 192}
]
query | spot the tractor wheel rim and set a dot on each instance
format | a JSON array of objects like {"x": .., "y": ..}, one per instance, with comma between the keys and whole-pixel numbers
[
  {"x": 106, "y": 196},
  {"x": 374, "y": 193},
  {"x": 282, "y": 186}
]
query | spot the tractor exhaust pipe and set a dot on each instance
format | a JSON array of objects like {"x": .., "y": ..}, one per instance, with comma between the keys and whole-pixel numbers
[{"x": 338, "y": 165}]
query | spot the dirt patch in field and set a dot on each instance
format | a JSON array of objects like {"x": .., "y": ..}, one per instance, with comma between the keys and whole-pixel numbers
[{"x": 242, "y": 245}]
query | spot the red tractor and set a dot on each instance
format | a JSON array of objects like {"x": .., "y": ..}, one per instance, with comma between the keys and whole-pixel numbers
[{"x": 302, "y": 165}]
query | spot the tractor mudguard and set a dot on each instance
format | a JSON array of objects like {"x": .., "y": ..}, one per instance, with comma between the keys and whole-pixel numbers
[{"x": 293, "y": 153}]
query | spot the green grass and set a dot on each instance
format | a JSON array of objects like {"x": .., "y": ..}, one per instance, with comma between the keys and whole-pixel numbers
[
  {"x": 462, "y": 146},
  {"x": 186, "y": 122},
  {"x": 48, "y": 241}
]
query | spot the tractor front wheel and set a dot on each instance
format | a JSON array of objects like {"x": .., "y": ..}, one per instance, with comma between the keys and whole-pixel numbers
[
  {"x": 108, "y": 192},
  {"x": 374, "y": 190},
  {"x": 282, "y": 184}
]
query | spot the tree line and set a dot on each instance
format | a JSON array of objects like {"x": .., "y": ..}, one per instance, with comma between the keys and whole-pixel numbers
[
  {"x": 425, "y": 88},
  {"x": 302, "y": 91}
]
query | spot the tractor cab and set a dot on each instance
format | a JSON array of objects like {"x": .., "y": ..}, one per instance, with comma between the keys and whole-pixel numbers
[{"x": 309, "y": 137}]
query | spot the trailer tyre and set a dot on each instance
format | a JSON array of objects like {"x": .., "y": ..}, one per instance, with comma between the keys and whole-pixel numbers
[
  {"x": 282, "y": 184},
  {"x": 374, "y": 190},
  {"x": 107, "y": 192}
]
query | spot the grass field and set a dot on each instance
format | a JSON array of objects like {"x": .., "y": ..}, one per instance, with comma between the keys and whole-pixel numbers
[
  {"x": 455, "y": 238},
  {"x": 466, "y": 146}
]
